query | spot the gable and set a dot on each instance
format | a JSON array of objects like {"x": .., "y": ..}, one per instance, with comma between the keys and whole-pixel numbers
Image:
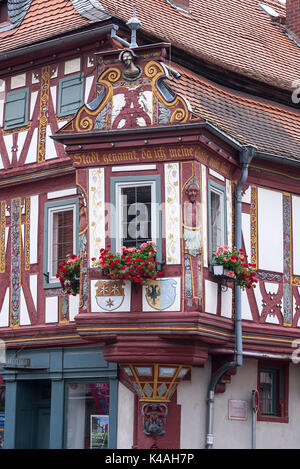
[{"x": 132, "y": 95}]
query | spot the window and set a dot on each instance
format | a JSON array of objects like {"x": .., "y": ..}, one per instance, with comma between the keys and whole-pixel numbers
[
  {"x": 273, "y": 391},
  {"x": 137, "y": 211},
  {"x": 88, "y": 416},
  {"x": 16, "y": 109},
  {"x": 4, "y": 12},
  {"x": 61, "y": 228},
  {"x": 217, "y": 216},
  {"x": 70, "y": 95}
]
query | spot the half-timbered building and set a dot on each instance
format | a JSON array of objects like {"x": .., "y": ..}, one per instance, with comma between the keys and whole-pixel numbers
[{"x": 169, "y": 124}]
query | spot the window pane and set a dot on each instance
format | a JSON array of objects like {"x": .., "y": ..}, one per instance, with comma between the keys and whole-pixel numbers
[
  {"x": 62, "y": 237},
  {"x": 87, "y": 415},
  {"x": 267, "y": 392},
  {"x": 217, "y": 235},
  {"x": 136, "y": 215}
]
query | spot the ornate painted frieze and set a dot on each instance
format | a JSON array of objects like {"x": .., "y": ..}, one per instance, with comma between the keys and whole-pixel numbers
[
  {"x": 2, "y": 235},
  {"x": 253, "y": 224},
  {"x": 84, "y": 282},
  {"x": 15, "y": 281},
  {"x": 96, "y": 211},
  {"x": 287, "y": 260},
  {"x": 172, "y": 214},
  {"x": 63, "y": 309}
]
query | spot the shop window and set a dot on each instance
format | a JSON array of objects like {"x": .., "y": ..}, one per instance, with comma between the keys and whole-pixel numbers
[
  {"x": 61, "y": 236},
  {"x": 137, "y": 212},
  {"x": 70, "y": 94},
  {"x": 273, "y": 392},
  {"x": 16, "y": 109},
  {"x": 217, "y": 216},
  {"x": 89, "y": 423}
]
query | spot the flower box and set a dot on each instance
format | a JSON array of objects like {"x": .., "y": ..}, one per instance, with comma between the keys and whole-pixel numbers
[
  {"x": 136, "y": 265},
  {"x": 232, "y": 264},
  {"x": 69, "y": 274}
]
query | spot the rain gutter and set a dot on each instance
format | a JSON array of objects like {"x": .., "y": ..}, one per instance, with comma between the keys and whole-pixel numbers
[{"x": 50, "y": 46}]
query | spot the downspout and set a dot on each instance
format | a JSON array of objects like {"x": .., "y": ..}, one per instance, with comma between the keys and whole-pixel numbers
[{"x": 245, "y": 156}]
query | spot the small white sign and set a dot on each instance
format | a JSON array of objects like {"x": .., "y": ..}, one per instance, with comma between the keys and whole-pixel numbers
[{"x": 237, "y": 410}]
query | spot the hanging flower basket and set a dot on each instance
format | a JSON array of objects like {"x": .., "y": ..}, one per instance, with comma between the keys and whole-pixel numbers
[
  {"x": 69, "y": 274},
  {"x": 232, "y": 263},
  {"x": 136, "y": 265}
]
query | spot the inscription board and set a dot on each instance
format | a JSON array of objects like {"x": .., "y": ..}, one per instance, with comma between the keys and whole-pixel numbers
[
  {"x": 237, "y": 410},
  {"x": 150, "y": 154}
]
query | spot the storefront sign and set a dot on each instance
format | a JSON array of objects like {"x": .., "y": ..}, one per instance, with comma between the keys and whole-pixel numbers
[
  {"x": 17, "y": 362},
  {"x": 237, "y": 410}
]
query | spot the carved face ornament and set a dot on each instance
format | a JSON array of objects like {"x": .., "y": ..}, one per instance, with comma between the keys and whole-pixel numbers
[
  {"x": 192, "y": 192},
  {"x": 131, "y": 70}
]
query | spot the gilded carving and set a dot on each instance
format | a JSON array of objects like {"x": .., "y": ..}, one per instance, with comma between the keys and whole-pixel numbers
[
  {"x": 27, "y": 233},
  {"x": 43, "y": 118}
]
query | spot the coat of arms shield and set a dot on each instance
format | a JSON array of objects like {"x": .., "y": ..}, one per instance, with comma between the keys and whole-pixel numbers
[
  {"x": 110, "y": 294},
  {"x": 161, "y": 294}
]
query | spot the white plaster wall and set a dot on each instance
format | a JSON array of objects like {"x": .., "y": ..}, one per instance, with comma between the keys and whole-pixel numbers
[
  {"x": 125, "y": 417},
  {"x": 246, "y": 234},
  {"x": 18, "y": 81},
  {"x": 270, "y": 221},
  {"x": 237, "y": 434},
  {"x": 191, "y": 395},
  {"x": 211, "y": 297}
]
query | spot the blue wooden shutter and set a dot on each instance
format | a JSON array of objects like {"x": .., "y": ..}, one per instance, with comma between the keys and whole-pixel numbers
[
  {"x": 70, "y": 96},
  {"x": 16, "y": 109}
]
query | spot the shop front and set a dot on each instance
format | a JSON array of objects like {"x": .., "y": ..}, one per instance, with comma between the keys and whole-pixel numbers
[{"x": 59, "y": 398}]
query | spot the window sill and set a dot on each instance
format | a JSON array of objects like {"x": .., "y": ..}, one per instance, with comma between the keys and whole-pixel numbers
[
  {"x": 275, "y": 419},
  {"x": 52, "y": 285}
]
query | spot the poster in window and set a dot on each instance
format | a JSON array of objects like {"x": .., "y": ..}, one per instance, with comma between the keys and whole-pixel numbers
[
  {"x": 99, "y": 431},
  {"x": 1, "y": 429}
]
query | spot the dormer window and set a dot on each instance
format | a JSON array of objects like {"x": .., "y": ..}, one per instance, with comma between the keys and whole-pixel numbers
[
  {"x": 4, "y": 18},
  {"x": 11, "y": 16}
]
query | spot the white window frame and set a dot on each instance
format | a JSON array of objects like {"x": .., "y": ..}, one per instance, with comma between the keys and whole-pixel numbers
[
  {"x": 221, "y": 193},
  {"x": 119, "y": 227},
  {"x": 51, "y": 211}
]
